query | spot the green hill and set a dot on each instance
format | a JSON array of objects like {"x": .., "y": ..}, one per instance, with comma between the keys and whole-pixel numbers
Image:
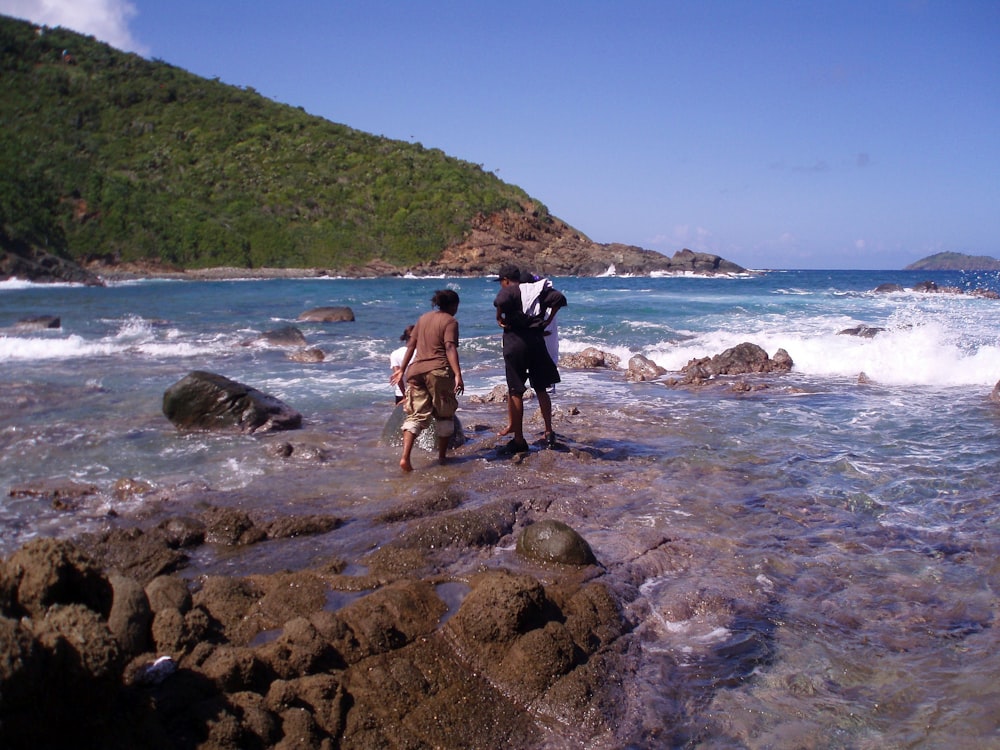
[
  {"x": 108, "y": 153},
  {"x": 955, "y": 262}
]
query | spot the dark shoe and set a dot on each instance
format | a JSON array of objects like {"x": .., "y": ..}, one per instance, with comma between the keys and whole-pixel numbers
[
  {"x": 551, "y": 440},
  {"x": 513, "y": 448}
]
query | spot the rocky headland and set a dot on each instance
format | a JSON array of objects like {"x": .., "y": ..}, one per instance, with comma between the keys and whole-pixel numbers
[{"x": 545, "y": 245}]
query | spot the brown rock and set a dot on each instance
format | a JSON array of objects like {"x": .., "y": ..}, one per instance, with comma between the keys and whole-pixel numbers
[
  {"x": 328, "y": 315},
  {"x": 131, "y": 617},
  {"x": 590, "y": 358},
  {"x": 47, "y": 572},
  {"x": 168, "y": 592},
  {"x": 641, "y": 368}
]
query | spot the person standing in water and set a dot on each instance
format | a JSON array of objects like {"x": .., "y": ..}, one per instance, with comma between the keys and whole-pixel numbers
[
  {"x": 433, "y": 376},
  {"x": 525, "y": 355}
]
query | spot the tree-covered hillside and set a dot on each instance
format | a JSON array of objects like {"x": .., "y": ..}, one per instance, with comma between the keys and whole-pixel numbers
[{"x": 103, "y": 152}]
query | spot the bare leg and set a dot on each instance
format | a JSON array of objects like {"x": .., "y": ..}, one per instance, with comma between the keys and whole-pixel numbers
[
  {"x": 510, "y": 420},
  {"x": 408, "y": 440},
  {"x": 545, "y": 406},
  {"x": 443, "y": 449},
  {"x": 515, "y": 408}
]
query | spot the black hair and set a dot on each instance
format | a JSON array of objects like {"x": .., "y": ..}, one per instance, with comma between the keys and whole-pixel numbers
[
  {"x": 445, "y": 299},
  {"x": 406, "y": 333}
]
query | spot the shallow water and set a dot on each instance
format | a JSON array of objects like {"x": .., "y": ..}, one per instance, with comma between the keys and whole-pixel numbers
[{"x": 809, "y": 565}]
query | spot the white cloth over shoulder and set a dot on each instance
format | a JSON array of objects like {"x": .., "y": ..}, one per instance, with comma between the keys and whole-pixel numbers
[{"x": 531, "y": 304}]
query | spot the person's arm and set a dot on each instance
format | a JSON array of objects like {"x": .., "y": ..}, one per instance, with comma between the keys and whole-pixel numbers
[
  {"x": 451, "y": 353},
  {"x": 397, "y": 375},
  {"x": 554, "y": 301}
]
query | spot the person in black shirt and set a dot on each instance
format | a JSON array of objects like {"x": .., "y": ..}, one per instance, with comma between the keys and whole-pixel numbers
[{"x": 526, "y": 358}]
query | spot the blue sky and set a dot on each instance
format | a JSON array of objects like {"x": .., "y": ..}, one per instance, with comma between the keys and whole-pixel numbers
[{"x": 794, "y": 134}]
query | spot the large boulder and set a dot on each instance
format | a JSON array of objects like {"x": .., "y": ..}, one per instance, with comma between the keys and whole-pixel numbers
[
  {"x": 742, "y": 359},
  {"x": 642, "y": 368},
  {"x": 206, "y": 401},
  {"x": 287, "y": 336},
  {"x": 426, "y": 440},
  {"x": 328, "y": 315},
  {"x": 589, "y": 359}
]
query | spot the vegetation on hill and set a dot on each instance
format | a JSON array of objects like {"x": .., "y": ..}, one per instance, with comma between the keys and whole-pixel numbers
[
  {"x": 955, "y": 262},
  {"x": 107, "y": 153}
]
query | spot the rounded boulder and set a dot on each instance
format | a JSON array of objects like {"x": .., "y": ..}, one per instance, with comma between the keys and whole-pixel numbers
[{"x": 551, "y": 541}]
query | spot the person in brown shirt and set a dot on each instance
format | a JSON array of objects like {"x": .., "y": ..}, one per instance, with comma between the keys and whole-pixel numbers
[{"x": 433, "y": 376}]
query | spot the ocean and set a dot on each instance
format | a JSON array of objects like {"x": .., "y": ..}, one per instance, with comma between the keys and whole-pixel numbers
[{"x": 809, "y": 563}]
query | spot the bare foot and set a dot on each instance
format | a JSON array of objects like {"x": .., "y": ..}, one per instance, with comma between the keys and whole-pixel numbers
[
  {"x": 405, "y": 465},
  {"x": 505, "y": 431},
  {"x": 442, "y": 461}
]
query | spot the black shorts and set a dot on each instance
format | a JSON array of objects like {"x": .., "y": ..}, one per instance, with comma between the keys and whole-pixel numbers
[{"x": 526, "y": 359}]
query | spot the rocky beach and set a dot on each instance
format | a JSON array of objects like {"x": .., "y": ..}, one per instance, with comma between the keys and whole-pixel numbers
[{"x": 764, "y": 548}]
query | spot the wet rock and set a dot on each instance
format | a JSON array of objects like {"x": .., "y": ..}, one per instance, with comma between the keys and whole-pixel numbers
[
  {"x": 745, "y": 358},
  {"x": 641, "y": 368},
  {"x": 497, "y": 395},
  {"x": 995, "y": 394},
  {"x": 426, "y": 440},
  {"x": 476, "y": 527},
  {"x": 865, "y": 332},
  {"x": 589, "y": 359},
  {"x": 328, "y": 315},
  {"x": 206, "y": 401},
  {"x": 38, "y": 323},
  {"x": 182, "y": 531},
  {"x": 551, "y": 541},
  {"x": 287, "y": 527},
  {"x": 887, "y": 288},
  {"x": 307, "y": 356},
  {"x": 62, "y": 493},
  {"x": 127, "y": 488},
  {"x": 288, "y": 336},
  {"x": 230, "y": 526}
]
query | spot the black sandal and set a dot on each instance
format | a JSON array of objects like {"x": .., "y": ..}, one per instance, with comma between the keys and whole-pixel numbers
[{"x": 514, "y": 447}]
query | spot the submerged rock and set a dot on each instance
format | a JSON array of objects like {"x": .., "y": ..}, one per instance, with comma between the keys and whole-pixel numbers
[{"x": 328, "y": 315}]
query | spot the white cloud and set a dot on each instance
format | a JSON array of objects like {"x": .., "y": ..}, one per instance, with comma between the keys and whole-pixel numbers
[{"x": 106, "y": 20}]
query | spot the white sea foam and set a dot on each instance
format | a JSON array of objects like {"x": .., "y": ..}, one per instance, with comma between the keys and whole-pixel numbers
[{"x": 933, "y": 353}]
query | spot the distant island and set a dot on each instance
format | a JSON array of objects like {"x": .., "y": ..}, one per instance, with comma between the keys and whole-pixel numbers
[{"x": 955, "y": 262}]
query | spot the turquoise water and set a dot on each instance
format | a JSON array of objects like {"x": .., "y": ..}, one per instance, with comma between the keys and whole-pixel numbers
[{"x": 830, "y": 576}]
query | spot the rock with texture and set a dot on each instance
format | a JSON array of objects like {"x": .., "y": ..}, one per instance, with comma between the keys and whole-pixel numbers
[
  {"x": 551, "y": 541},
  {"x": 206, "y": 401}
]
